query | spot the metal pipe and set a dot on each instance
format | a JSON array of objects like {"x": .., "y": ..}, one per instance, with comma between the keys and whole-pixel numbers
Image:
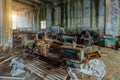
[{"x": 10, "y": 77}]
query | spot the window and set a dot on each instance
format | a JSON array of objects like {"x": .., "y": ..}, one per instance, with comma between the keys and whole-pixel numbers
[
  {"x": 14, "y": 21},
  {"x": 43, "y": 24}
]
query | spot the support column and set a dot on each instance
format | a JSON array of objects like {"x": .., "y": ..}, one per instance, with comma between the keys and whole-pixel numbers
[
  {"x": 107, "y": 16},
  {"x": 1, "y": 14},
  {"x": 7, "y": 24},
  {"x": 112, "y": 17}
]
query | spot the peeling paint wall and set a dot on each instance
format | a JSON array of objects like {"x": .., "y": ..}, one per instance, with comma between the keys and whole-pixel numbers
[
  {"x": 112, "y": 24},
  {"x": 86, "y": 13},
  {"x": 99, "y": 15},
  {"x": 73, "y": 15},
  {"x": 39, "y": 15},
  {"x": 77, "y": 14}
]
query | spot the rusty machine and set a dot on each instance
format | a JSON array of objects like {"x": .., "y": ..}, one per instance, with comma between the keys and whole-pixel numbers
[{"x": 56, "y": 52}]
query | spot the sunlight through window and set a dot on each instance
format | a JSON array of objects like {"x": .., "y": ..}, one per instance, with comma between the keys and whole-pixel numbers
[{"x": 14, "y": 21}]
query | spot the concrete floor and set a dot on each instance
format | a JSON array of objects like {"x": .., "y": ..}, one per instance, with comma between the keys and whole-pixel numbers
[{"x": 110, "y": 57}]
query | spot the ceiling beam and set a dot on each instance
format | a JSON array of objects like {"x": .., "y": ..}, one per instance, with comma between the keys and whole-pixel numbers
[
  {"x": 18, "y": 1},
  {"x": 29, "y": 2},
  {"x": 45, "y": 1},
  {"x": 34, "y": 2},
  {"x": 39, "y": 1}
]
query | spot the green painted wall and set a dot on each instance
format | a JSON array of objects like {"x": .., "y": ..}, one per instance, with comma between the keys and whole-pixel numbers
[{"x": 75, "y": 15}]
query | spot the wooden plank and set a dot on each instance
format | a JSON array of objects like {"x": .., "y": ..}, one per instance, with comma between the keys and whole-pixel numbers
[
  {"x": 35, "y": 71},
  {"x": 65, "y": 78},
  {"x": 48, "y": 72},
  {"x": 6, "y": 60},
  {"x": 42, "y": 67},
  {"x": 57, "y": 71},
  {"x": 41, "y": 70},
  {"x": 42, "y": 63},
  {"x": 45, "y": 72},
  {"x": 60, "y": 72}
]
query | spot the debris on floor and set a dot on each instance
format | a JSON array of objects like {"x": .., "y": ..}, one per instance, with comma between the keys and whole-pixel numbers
[
  {"x": 17, "y": 66},
  {"x": 94, "y": 67}
]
